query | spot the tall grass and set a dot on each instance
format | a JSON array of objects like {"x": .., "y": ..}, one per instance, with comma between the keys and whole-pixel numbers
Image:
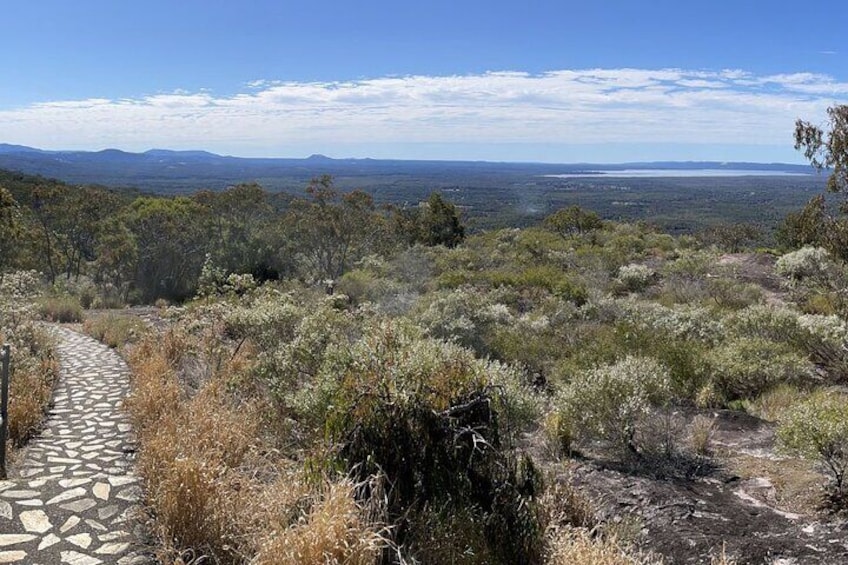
[{"x": 216, "y": 487}]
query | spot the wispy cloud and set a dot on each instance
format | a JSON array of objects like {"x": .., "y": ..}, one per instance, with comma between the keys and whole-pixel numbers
[{"x": 559, "y": 107}]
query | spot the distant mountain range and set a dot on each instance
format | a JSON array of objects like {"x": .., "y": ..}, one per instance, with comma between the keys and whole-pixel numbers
[{"x": 164, "y": 170}]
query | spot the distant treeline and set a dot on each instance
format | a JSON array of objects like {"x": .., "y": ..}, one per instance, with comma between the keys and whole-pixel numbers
[{"x": 137, "y": 247}]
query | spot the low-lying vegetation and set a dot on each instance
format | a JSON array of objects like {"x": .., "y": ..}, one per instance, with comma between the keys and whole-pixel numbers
[
  {"x": 34, "y": 367},
  {"x": 279, "y": 423}
]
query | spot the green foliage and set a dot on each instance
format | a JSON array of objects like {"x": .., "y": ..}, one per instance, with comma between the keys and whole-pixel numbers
[
  {"x": 611, "y": 402},
  {"x": 827, "y": 150},
  {"x": 807, "y": 263},
  {"x": 635, "y": 277},
  {"x": 571, "y": 221},
  {"x": 817, "y": 428},
  {"x": 747, "y": 367},
  {"x": 440, "y": 425},
  {"x": 10, "y": 219},
  {"x": 732, "y": 238},
  {"x": 171, "y": 245},
  {"x": 214, "y": 281},
  {"x": 434, "y": 222},
  {"x": 333, "y": 230}
]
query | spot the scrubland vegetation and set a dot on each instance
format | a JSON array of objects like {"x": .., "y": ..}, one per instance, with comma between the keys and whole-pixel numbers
[
  {"x": 424, "y": 411},
  {"x": 342, "y": 383}
]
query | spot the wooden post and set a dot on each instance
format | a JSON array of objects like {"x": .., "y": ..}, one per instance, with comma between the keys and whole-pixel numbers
[{"x": 4, "y": 408}]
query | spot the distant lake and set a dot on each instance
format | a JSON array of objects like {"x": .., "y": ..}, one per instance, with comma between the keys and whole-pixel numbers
[{"x": 678, "y": 173}]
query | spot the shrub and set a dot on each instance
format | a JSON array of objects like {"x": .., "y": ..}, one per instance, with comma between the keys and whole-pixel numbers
[
  {"x": 747, "y": 367},
  {"x": 611, "y": 402},
  {"x": 766, "y": 322},
  {"x": 635, "y": 277},
  {"x": 806, "y": 263},
  {"x": 115, "y": 330},
  {"x": 681, "y": 322},
  {"x": 438, "y": 423},
  {"x": 462, "y": 316},
  {"x": 817, "y": 428},
  {"x": 731, "y": 294},
  {"x": 60, "y": 308}
]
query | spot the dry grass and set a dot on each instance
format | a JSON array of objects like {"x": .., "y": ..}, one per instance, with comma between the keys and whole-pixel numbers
[
  {"x": 722, "y": 558},
  {"x": 564, "y": 505},
  {"x": 191, "y": 450},
  {"x": 797, "y": 483},
  {"x": 701, "y": 432},
  {"x": 115, "y": 330},
  {"x": 334, "y": 530},
  {"x": 60, "y": 308},
  {"x": 573, "y": 546},
  {"x": 215, "y": 487},
  {"x": 774, "y": 403},
  {"x": 30, "y": 392}
]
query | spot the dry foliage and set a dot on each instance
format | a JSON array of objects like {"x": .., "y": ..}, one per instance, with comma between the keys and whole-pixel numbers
[
  {"x": 701, "y": 432},
  {"x": 570, "y": 546},
  {"x": 216, "y": 488},
  {"x": 333, "y": 530},
  {"x": 30, "y": 391}
]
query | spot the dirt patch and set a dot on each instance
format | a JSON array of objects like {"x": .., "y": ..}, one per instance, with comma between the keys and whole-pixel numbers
[
  {"x": 756, "y": 268},
  {"x": 755, "y": 502}
]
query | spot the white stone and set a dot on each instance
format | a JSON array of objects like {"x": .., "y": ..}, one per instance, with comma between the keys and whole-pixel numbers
[
  {"x": 48, "y": 541},
  {"x": 79, "y": 505},
  {"x": 12, "y": 556},
  {"x": 95, "y": 525},
  {"x": 108, "y": 511},
  {"x": 111, "y": 536},
  {"x": 33, "y": 502},
  {"x": 80, "y": 540},
  {"x": 68, "y": 495},
  {"x": 12, "y": 539},
  {"x": 130, "y": 494},
  {"x": 122, "y": 480},
  {"x": 69, "y": 523},
  {"x": 74, "y": 558},
  {"x": 112, "y": 548},
  {"x": 101, "y": 491},
  {"x": 19, "y": 494},
  {"x": 71, "y": 483},
  {"x": 35, "y": 521},
  {"x": 5, "y": 510}
]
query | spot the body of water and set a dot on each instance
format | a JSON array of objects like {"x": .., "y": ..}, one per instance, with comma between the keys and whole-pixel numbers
[{"x": 678, "y": 173}]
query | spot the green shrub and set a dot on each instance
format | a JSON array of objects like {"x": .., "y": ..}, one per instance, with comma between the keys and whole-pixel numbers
[
  {"x": 439, "y": 423},
  {"x": 817, "y": 428},
  {"x": 731, "y": 294},
  {"x": 611, "y": 402},
  {"x": 747, "y": 367},
  {"x": 635, "y": 277},
  {"x": 805, "y": 264}
]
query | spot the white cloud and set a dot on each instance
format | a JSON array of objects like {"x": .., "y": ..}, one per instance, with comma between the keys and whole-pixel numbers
[{"x": 593, "y": 106}]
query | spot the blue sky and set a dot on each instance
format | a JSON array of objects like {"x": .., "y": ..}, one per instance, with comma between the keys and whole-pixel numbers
[{"x": 599, "y": 81}]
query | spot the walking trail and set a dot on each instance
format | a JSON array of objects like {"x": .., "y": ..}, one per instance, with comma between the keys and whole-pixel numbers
[{"x": 73, "y": 498}]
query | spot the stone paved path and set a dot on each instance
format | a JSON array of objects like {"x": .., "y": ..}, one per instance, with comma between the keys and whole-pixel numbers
[{"x": 73, "y": 498}]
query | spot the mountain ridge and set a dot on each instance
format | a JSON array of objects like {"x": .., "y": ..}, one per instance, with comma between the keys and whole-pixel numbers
[{"x": 181, "y": 171}]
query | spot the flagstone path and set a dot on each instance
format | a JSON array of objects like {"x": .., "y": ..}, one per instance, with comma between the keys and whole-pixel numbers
[{"x": 74, "y": 498}]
